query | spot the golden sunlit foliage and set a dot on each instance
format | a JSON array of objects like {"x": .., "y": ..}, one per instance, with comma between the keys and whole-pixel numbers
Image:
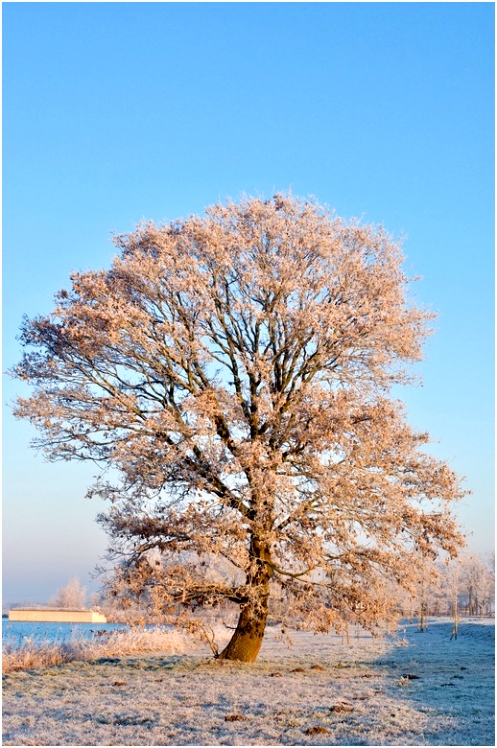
[{"x": 235, "y": 371}]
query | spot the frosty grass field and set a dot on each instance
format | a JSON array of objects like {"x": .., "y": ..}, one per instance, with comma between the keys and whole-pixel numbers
[{"x": 412, "y": 689}]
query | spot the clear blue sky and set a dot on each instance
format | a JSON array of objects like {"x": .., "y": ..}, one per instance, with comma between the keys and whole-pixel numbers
[{"x": 114, "y": 112}]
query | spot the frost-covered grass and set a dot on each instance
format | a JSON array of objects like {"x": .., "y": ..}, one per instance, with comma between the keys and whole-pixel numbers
[
  {"x": 417, "y": 689},
  {"x": 31, "y": 656}
]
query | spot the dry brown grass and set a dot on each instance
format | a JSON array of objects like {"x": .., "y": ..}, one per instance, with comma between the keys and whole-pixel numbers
[{"x": 119, "y": 644}]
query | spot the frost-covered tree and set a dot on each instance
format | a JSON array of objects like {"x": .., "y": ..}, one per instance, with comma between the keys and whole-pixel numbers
[
  {"x": 235, "y": 371},
  {"x": 477, "y": 585},
  {"x": 72, "y": 595},
  {"x": 466, "y": 585}
]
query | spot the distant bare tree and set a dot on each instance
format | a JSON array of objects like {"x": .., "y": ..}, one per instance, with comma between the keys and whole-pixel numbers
[
  {"x": 72, "y": 595},
  {"x": 465, "y": 586},
  {"x": 490, "y": 561},
  {"x": 476, "y": 585}
]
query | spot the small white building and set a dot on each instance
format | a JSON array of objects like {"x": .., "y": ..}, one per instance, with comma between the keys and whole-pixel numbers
[{"x": 56, "y": 615}]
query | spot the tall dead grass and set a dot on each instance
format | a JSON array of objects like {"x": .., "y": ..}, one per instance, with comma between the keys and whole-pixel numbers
[{"x": 32, "y": 656}]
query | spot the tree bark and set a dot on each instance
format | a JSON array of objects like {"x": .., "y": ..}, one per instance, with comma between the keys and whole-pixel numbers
[{"x": 246, "y": 642}]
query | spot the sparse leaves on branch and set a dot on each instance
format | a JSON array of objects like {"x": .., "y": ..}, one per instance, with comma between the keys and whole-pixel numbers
[{"x": 235, "y": 371}]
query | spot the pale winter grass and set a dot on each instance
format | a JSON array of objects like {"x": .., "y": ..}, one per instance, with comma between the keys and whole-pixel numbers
[
  {"x": 415, "y": 689},
  {"x": 118, "y": 644}
]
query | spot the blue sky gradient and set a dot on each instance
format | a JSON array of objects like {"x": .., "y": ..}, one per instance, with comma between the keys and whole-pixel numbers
[{"x": 116, "y": 112}]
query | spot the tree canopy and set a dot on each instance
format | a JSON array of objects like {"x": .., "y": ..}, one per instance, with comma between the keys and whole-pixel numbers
[{"x": 235, "y": 372}]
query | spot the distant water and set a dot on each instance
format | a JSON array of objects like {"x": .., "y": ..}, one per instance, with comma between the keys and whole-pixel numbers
[{"x": 17, "y": 633}]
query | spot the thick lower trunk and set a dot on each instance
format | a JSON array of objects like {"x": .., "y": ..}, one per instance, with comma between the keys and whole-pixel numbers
[
  {"x": 249, "y": 633},
  {"x": 246, "y": 642}
]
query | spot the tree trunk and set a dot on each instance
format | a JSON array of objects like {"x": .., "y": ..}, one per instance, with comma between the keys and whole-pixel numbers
[{"x": 246, "y": 642}]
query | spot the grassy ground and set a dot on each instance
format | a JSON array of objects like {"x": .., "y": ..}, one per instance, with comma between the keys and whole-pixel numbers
[
  {"x": 31, "y": 656},
  {"x": 421, "y": 689}
]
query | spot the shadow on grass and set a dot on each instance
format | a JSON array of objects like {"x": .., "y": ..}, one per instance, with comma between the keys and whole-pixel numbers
[{"x": 452, "y": 680}]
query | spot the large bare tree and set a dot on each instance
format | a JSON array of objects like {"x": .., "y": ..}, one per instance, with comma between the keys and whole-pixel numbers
[{"x": 235, "y": 372}]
